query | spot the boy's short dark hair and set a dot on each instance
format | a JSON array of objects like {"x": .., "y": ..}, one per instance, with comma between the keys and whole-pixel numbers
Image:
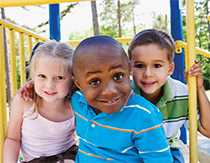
[
  {"x": 153, "y": 36},
  {"x": 97, "y": 41}
]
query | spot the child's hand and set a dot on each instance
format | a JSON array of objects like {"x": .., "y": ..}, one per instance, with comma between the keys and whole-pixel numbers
[
  {"x": 196, "y": 71},
  {"x": 27, "y": 91}
]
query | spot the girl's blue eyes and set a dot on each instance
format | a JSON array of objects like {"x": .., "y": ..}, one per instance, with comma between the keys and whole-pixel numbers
[
  {"x": 42, "y": 76},
  {"x": 60, "y": 77}
]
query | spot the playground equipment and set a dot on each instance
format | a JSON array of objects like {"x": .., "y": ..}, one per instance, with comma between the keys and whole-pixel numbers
[
  {"x": 12, "y": 32},
  {"x": 17, "y": 35},
  {"x": 15, "y": 3},
  {"x": 192, "y": 82}
]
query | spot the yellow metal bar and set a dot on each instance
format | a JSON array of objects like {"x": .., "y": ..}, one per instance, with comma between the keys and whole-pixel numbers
[
  {"x": 22, "y": 60},
  {"x": 202, "y": 52},
  {"x": 17, "y": 28},
  {"x": 73, "y": 43},
  {"x": 36, "y": 40},
  {"x": 192, "y": 82},
  {"x": 12, "y": 63},
  {"x": 3, "y": 120},
  {"x": 181, "y": 44},
  {"x": 29, "y": 46},
  {"x": 13, "y": 3},
  {"x": 124, "y": 40},
  {"x": 4, "y": 91}
]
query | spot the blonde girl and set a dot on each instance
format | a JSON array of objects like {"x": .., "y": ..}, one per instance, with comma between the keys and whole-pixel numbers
[{"x": 43, "y": 128}]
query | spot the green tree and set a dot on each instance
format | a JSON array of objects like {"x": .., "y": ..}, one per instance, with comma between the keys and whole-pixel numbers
[
  {"x": 161, "y": 22},
  {"x": 95, "y": 17},
  {"x": 202, "y": 35},
  {"x": 116, "y": 17},
  {"x": 108, "y": 18}
]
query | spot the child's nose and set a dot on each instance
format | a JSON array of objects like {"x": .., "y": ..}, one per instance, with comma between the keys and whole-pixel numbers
[
  {"x": 110, "y": 89},
  {"x": 148, "y": 72},
  {"x": 50, "y": 84}
]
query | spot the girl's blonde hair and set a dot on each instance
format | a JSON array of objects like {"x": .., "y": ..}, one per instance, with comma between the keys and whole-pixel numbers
[{"x": 52, "y": 49}]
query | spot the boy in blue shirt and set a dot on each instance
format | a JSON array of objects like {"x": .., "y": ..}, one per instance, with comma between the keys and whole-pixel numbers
[{"x": 112, "y": 123}]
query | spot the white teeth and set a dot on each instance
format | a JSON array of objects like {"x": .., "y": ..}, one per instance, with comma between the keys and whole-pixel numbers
[{"x": 109, "y": 102}]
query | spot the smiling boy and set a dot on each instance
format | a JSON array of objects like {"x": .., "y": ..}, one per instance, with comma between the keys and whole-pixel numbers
[{"x": 112, "y": 123}]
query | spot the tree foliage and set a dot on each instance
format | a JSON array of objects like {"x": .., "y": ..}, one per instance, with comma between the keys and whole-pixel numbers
[
  {"x": 160, "y": 22},
  {"x": 202, "y": 35},
  {"x": 109, "y": 16}
]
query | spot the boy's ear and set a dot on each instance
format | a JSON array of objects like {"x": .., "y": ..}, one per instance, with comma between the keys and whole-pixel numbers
[
  {"x": 130, "y": 68},
  {"x": 171, "y": 68},
  {"x": 76, "y": 82}
]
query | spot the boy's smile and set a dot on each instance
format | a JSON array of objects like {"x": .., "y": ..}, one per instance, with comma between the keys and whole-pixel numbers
[{"x": 104, "y": 78}]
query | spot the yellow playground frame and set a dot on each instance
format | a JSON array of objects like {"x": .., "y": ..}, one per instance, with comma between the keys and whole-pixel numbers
[{"x": 31, "y": 38}]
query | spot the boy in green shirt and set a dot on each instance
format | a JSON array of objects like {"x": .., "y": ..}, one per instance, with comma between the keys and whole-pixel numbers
[{"x": 151, "y": 53}]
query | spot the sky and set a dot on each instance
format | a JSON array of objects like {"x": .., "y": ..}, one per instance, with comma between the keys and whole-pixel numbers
[{"x": 80, "y": 18}]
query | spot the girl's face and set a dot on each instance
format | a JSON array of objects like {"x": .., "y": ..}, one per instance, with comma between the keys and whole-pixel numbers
[
  {"x": 150, "y": 68},
  {"x": 52, "y": 81}
]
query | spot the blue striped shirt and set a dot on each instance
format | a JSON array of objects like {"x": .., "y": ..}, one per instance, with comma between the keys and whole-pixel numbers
[{"x": 134, "y": 134}]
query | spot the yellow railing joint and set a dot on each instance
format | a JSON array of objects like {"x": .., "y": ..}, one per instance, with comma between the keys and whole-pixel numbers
[{"x": 183, "y": 45}]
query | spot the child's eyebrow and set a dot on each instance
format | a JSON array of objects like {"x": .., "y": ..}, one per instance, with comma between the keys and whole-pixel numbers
[
  {"x": 92, "y": 72},
  {"x": 115, "y": 67},
  {"x": 159, "y": 61},
  {"x": 98, "y": 71}
]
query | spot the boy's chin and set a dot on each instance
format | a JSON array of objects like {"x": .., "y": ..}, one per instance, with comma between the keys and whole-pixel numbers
[{"x": 107, "y": 110}]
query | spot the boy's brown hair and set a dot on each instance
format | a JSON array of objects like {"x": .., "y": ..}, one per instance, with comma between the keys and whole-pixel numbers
[{"x": 153, "y": 36}]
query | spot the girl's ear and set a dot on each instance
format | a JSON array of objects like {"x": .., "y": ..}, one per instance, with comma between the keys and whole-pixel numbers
[{"x": 171, "y": 68}]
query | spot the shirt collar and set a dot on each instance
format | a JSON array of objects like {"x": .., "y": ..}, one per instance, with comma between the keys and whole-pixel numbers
[
  {"x": 167, "y": 92},
  {"x": 82, "y": 100}
]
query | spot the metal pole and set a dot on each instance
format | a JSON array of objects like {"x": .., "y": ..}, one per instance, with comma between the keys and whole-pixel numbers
[
  {"x": 190, "y": 21},
  {"x": 54, "y": 21},
  {"x": 177, "y": 34}
]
